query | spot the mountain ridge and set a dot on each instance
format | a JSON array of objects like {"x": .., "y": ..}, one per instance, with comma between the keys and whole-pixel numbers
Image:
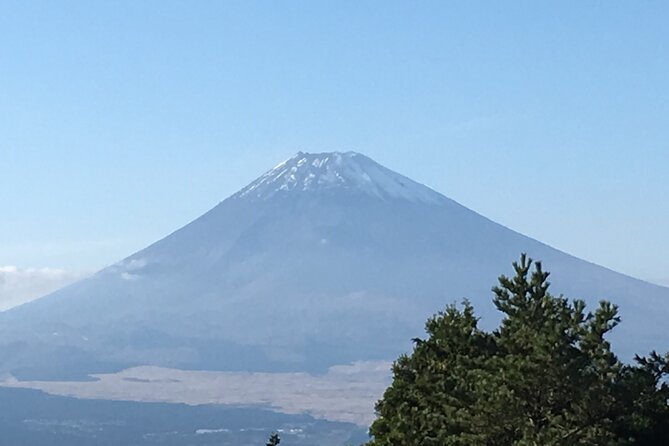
[{"x": 301, "y": 278}]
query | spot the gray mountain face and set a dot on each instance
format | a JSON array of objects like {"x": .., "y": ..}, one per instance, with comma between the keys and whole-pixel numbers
[{"x": 326, "y": 259}]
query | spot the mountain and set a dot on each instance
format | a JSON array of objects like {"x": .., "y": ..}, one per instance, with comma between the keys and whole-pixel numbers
[{"x": 326, "y": 259}]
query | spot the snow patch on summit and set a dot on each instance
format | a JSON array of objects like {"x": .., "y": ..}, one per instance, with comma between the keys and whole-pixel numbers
[{"x": 308, "y": 172}]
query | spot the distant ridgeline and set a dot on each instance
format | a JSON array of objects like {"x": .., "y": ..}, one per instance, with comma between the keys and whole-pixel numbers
[{"x": 36, "y": 419}]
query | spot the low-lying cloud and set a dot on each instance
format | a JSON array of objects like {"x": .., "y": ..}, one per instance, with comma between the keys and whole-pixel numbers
[{"x": 21, "y": 285}]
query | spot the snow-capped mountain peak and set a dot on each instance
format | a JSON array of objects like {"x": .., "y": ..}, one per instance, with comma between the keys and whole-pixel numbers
[
  {"x": 309, "y": 172},
  {"x": 321, "y": 261}
]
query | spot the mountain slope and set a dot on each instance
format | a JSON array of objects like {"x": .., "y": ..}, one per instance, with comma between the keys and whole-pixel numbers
[{"x": 325, "y": 259}]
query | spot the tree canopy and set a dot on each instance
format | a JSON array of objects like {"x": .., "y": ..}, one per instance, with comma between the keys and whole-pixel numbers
[
  {"x": 545, "y": 377},
  {"x": 274, "y": 439}
]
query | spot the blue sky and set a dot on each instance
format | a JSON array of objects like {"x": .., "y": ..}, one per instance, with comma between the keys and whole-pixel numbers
[{"x": 122, "y": 121}]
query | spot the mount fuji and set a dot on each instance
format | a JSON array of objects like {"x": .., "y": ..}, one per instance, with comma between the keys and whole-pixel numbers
[{"x": 329, "y": 258}]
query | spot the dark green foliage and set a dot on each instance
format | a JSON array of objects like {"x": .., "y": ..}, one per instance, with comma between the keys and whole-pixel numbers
[
  {"x": 274, "y": 440},
  {"x": 545, "y": 377}
]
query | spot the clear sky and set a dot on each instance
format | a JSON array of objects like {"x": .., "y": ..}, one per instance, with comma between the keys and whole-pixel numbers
[{"x": 122, "y": 121}]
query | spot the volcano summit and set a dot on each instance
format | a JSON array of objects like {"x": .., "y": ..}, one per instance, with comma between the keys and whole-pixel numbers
[{"x": 326, "y": 259}]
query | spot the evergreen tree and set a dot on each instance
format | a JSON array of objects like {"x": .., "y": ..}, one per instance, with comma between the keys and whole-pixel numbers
[
  {"x": 274, "y": 439},
  {"x": 546, "y": 377}
]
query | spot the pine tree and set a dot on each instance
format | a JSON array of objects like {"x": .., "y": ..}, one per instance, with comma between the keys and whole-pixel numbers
[
  {"x": 274, "y": 439},
  {"x": 545, "y": 377}
]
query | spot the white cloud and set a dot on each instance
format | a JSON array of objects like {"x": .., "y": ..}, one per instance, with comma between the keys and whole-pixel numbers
[
  {"x": 128, "y": 276},
  {"x": 21, "y": 285}
]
